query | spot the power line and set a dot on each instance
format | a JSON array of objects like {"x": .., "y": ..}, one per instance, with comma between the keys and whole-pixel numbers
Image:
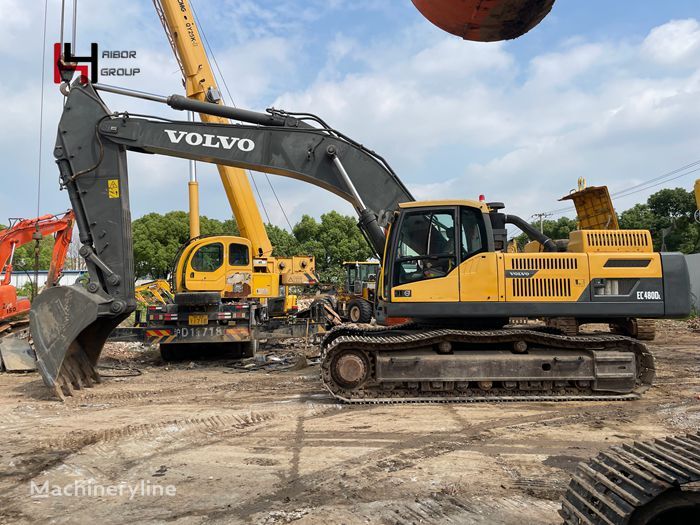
[
  {"x": 278, "y": 202},
  {"x": 627, "y": 194},
  {"x": 541, "y": 217},
  {"x": 41, "y": 112},
  {"x": 668, "y": 174},
  {"x": 260, "y": 197},
  {"x": 642, "y": 186}
]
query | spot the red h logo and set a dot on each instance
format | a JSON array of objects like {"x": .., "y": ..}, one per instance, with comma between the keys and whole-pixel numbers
[{"x": 65, "y": 66}]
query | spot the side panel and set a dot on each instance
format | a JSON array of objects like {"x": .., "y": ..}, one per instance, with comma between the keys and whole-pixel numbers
[
  {"x": 676, "y": 284},
  {"x": 478, "y": 278},
  {"x": 626, "y": 277},
  {"x": 265, "y": 285},
  {"x": 541, "y": 277}
]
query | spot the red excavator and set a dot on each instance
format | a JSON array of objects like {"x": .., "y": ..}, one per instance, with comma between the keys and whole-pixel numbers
[{"x": 24, "y": 231}]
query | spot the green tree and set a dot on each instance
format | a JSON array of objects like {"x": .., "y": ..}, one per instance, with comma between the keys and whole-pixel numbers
[
  {"x": 638, "y": 217},
  {"x": 668, "y": 215},
  {"x": 284, "y": 244},
  {"x": 332, "y": 241}
]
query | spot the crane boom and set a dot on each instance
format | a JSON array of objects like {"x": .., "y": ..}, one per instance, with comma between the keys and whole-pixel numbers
[{"x": 182, "y": 32}]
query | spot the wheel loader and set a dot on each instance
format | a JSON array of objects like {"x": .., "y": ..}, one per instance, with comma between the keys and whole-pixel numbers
[
  {"x": 355, "y": 301},
  {"x": 447, "y": 285}
]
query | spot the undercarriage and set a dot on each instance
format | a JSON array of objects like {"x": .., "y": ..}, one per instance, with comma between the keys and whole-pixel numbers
[{"x": 422, "y": 363}]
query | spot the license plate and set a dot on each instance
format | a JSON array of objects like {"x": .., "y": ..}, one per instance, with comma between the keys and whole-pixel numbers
[{"x": 198, "y": 319}]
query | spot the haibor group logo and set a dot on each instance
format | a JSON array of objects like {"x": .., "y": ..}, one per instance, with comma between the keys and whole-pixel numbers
[{"x": 119, "y": 63}]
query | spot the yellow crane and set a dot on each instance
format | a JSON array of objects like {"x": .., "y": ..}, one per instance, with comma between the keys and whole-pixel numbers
[
  {"x": 268, "y": 272},
  {"x": 200, "y": 84}
]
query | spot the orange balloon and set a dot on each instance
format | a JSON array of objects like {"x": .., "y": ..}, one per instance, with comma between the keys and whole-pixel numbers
[{"x": 485, "y": 20}]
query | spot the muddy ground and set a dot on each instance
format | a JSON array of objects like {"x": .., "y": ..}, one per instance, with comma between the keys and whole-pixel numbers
[{"x": 272, "y": 447}]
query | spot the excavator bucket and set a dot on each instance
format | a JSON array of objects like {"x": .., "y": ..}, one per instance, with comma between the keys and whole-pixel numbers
[{"x": 69, "y": 327}]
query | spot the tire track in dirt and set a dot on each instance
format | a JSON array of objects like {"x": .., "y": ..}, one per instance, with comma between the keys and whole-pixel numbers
[
  {"x": 402, "y": 454},
  {"x": 206, "y": 425},
  {"x": 441, "y": 508}
]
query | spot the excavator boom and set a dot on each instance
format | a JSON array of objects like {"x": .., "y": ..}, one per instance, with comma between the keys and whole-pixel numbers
[{"x": 71, "y": 324}]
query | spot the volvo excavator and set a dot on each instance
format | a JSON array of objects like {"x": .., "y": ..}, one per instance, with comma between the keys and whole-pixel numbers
[{"x": 447, "y": 285}]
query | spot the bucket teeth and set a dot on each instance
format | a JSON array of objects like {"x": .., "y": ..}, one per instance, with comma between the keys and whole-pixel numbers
[
  {"x": 76, "y": 373},
  {"x": 69, "y": 326}
]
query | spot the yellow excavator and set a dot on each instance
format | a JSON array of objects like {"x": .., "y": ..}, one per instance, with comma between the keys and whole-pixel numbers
[
  {"x": 446, "y": 289},
  {"x": 447, "y": 284}
]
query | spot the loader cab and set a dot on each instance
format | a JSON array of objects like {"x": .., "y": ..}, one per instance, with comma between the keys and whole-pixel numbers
[
  {"x": 217, "y": 263},
  {"x": 434, "y": 248},
  {"x": 361, "y": 277}
]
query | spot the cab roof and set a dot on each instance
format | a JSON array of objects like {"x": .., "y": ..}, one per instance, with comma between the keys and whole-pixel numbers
[{"x": 451, "y": 202}]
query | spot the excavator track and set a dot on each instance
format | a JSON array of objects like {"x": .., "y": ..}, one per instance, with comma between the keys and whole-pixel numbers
[
  {"x": 414, "y": 363},
  {"x": 640, "y": 484}
]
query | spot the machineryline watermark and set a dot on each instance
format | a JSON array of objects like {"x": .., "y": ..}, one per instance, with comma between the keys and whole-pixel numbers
[{"x": 90, "y": 488}]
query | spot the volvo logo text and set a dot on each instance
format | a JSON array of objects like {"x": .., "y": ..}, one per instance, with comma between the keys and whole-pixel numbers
[
  {"x": 209, "y": 141},
  {"x": 523, "y": 274}
]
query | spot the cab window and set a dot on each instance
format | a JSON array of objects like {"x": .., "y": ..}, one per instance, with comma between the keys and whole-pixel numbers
[
  {"x": 368, "y": 272},
  {"x": 352, "y": 276},
  {"x": 426, "y": 247},
  {"x": 238, "y": 255},
  {"x": 473, "y": 232},
  {"x": 208, "y": 258}
]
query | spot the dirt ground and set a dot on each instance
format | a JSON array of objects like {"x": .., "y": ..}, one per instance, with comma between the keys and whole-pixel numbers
[{"x": 206, "y": 443}]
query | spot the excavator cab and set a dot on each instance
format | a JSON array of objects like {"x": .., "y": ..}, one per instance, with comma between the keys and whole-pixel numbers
[{"x": 429, "y": 246}]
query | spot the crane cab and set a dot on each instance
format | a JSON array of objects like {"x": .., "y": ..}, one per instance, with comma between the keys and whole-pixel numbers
[{"x": 218, "y": 263}]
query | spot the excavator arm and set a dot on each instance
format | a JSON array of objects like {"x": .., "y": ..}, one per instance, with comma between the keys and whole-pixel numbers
[
  {"x": 25, "y": 231},
  {"x": 71, "y": 324}
]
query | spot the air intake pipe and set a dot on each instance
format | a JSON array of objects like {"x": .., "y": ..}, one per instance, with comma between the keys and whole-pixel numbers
[{"x": 532, "y": 233}]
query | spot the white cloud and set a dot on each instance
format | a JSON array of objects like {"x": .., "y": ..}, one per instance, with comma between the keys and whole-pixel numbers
[
  {"x": 674, "y": 43},
  {"x": 455, "y": 119},
  {"x": 591, "y": 109}
]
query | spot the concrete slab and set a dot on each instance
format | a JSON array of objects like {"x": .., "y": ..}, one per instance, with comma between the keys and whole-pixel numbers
[{"x": 17, "y": 355}]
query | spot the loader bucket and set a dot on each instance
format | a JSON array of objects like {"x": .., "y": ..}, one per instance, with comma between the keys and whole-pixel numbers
[{"x": 69, "y": 327}]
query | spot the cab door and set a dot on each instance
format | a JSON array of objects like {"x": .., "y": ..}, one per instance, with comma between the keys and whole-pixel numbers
[
  {"x": 239, "y": 271},
  {"x": 205, "y": 269},
  {"x": 478, "y": 271},
  {"x": 425, "y": 263}
]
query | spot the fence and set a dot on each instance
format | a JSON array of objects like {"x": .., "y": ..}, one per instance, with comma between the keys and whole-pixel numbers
[{"x": 20, "y": 278}]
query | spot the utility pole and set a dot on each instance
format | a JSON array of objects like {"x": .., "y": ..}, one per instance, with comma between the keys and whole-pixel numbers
[{"x": 541, "y": 216}]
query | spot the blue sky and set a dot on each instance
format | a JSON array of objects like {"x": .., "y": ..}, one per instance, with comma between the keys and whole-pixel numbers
[{"x": 605, "y": 90}]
